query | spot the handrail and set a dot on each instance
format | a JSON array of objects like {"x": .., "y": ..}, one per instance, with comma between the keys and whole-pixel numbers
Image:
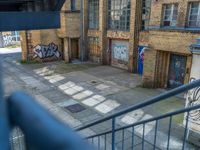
[
  {"x": 180, "y": 111},
  {"x": 150, "y": 101},
  {"x": 4, "y": 125}
]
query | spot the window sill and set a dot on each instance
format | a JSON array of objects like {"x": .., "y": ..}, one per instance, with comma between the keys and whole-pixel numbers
[
  {"x": 174, "y": 28},
  {"x": 70, "y": 11}
]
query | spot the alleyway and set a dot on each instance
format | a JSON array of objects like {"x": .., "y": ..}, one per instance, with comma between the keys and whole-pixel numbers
[{"x": 81, "y": 93}]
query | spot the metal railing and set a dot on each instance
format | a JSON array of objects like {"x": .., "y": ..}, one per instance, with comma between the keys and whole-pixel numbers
[{"x": 124, "y": 137}]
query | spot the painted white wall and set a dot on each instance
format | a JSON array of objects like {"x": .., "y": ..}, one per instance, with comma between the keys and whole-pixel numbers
[{"x": 195, "y": 71}]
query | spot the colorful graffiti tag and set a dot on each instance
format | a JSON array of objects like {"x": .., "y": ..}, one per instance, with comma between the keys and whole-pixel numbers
[
  {"x": 46, "y": 51},
  {"x": 141, "y": 50}
]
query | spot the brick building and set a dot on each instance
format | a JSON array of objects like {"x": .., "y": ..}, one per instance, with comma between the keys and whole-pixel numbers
[
  {"x": 149, "y": 37},
  {"x": 55, "y": 44},
  {"x": 173, "y": 27}
]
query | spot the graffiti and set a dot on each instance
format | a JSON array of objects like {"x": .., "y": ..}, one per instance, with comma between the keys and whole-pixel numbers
[
  {"x": 46, "y": 51},
  {"x": 141, "y": 50},
  {"x": 193, "y": 99},
  {"x": 7, "y": 40},
  {"x": 120, "y": 50}
]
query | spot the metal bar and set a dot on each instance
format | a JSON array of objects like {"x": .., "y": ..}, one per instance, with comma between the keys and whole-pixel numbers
[
  {"x": 155, "y": 135},
  {"x": 33, "y": 120},
  {"x": 4, "y": 125},
  {"x": 29, "y": 20},
  {"x": 143, "y": 136},
  {"x": 113, "y": 134},
  {"x": 122, "y": 139},
  {"x": 186, "y": 130},
  {"x": 133, "y": 132},
  {"x": 105, "y": 141},
  {"x": 146, "y": 103},
  {"x": 153, "y": 119},
  {"x": 169, "y": 132},
  {"x": 98, "y": 142}
]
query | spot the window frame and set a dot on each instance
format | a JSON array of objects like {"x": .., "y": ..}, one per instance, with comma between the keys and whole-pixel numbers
[
  {"x": 172, "y": 8},
  {"x": 73, "y": 5},
  {"x": 95, "y": 16},
  {"x": 144, "y": 10},
  {"x": 114, "y": 12},
  {"x": 189, "y": 15}
]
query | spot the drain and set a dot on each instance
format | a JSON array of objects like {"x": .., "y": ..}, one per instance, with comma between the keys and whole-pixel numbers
[
  {"x": 75, "y": 108},
  {"x": 94, "y": 82}
]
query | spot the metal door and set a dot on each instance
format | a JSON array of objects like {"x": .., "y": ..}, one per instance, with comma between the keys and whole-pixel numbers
[{"x": 177, "y": 70}]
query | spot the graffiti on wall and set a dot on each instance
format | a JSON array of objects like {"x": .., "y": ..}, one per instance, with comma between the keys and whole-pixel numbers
[
  {"x": 193, "y": 99},
  {"x": 7, "y": 39},
  {"x": 120, "y": 50},
  {"x": 46, "y": 51},
  {"x": 141, "y": 50},
  {"x": 10, "y": 38}
]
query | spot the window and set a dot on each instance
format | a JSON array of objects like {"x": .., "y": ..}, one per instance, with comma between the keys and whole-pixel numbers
[
  {"x": 93, "y": 14},
  {"x": 73, "y": 5},
  {"x": 170, "y": 15},
  {"x": 146, "y": 10},
  {"x": 194, "y": 14},
  {"x": 93, "y": 46},
  {"x": 119, "y": 14}
]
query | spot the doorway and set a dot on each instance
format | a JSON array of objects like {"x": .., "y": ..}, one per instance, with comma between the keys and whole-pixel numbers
[
  {"x": 177, "y": 70},
  {"x": 74, "y": 49}
]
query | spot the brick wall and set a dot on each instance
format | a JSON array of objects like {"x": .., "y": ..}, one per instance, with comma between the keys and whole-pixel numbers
[
  {"x": 172, "y": 41},
  {"x": 56, "y": 41}
]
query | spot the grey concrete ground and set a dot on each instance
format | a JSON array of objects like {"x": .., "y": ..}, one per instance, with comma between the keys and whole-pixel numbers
[{"x": 96, "y": 91}]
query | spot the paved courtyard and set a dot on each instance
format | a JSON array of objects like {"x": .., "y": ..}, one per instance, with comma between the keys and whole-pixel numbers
[{"x": 81, "y": 93}]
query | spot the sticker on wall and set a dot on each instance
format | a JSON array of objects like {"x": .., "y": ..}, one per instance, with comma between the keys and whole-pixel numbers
[{"x": 46, "y": 51}]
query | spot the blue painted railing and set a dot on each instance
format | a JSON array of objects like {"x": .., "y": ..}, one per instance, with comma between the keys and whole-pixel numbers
[{"x": 110, "y": 139}]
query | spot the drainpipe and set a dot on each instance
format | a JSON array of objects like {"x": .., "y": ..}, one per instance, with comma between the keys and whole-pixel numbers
[{"x": 82, "y": 47}]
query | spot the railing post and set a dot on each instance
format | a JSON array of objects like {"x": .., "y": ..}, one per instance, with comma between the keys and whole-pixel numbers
[
  {"x": 113, "y": 133},
  {"x": 186, "y": 130}
]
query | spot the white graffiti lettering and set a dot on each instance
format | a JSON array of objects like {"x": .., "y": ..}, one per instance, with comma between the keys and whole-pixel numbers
[
  {"x": 7, "y": 40},
  {"x": 121, "y": 52},
  {"x": 46, "y": 51}
]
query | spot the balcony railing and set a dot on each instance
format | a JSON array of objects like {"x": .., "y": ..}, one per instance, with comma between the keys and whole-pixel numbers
[{"x": 133, "y": 136}]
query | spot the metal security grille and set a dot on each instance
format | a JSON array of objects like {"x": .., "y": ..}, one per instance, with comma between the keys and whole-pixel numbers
[
  {"x": 93, "y": 14},
  {"x": 94, "y": 49},
  {"x": 119, "y": 15}
]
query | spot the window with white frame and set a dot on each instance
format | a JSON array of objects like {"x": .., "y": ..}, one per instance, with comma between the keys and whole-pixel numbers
[
  {"x": 194, "y": 14},
  {"x": 170, "y": 14},
  {"x": 93, "y": 14},
  {"x": 119, "y": 15}
]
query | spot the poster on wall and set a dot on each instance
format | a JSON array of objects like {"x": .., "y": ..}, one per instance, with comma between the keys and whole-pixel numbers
[
  {"x": 120, "y": 50},
  {"x": 141, "y": 50}
]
